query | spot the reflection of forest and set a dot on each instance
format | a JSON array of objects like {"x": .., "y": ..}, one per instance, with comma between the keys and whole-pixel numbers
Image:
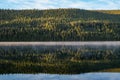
[{"x": 58, "y": 59}]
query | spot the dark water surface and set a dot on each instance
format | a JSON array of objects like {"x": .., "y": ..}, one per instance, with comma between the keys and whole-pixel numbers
[{"x": 86, "y": 76}]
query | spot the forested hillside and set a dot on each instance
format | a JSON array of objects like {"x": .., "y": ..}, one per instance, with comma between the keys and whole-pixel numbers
[{"x": 58, "y": 25}]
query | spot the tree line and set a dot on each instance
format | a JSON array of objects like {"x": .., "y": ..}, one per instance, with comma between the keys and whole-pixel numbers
[{"x": 58, "y": 25}]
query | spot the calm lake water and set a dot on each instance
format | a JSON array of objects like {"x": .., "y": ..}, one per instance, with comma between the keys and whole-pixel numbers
[
  {"x": 86, "y": 76},
  {"x": 108, "y": 43}
]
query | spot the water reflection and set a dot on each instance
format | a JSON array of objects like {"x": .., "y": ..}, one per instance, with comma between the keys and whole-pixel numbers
[{"x": 87, "y": 76}]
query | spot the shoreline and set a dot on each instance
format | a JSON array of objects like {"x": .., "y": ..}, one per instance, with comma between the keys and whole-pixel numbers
[{"x": 108, "y": 43}]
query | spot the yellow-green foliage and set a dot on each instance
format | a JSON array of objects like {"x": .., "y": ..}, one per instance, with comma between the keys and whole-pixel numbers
[
  {"x": 112, "y": 70},
  {"x": 58, "y": 25},
  {"x": 110, "y": 11}
]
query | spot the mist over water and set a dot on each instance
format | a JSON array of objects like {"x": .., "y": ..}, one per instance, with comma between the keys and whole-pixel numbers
[
  {"x": 107, "y": 43},
  {"x": 104, "y": 45},
  {"x": 110, "y": 45}
]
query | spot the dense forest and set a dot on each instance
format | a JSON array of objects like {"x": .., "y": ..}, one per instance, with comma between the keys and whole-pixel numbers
[
  {"x": 58, "y": 59},
  {"x": 59, "y": 25}
]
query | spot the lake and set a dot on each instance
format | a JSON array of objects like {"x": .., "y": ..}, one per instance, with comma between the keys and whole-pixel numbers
[
  {"x": 85, "y": 76},
  {"x": 108, "y": 43}
]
